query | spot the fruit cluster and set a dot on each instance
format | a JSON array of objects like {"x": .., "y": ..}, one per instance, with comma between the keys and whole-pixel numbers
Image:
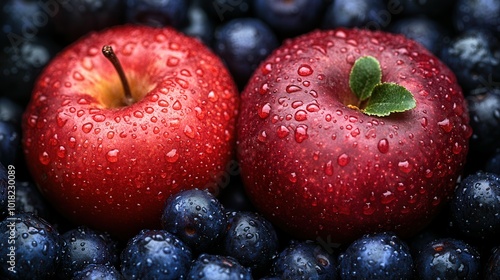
[{"x": 250, "y": 139}]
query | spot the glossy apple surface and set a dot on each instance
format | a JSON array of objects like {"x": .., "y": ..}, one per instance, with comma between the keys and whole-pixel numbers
[
  {"x": 112, "y": 166},
  {"x": 319, "y": 169}
]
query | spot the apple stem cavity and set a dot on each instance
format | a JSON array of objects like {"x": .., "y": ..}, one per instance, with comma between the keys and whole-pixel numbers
[
  {"x": 108, "y": 52},
  {"x": 375, "y": 97}
]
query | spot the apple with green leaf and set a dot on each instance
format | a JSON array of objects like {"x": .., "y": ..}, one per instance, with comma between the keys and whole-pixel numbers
[
  {"x": 123, "y": 118},
  {"x": 346, "y": 131}
]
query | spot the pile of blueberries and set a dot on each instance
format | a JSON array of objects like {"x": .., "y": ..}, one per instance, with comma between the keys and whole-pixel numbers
[{"x": 204, "y": 237}]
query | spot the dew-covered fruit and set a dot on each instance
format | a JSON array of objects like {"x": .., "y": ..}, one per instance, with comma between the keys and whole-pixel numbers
[
  {"x": 475, "y": 206},
  {"x": 35, "y": 251},
  {"x": 319, "y": 160},
  {"x": 448, "y": 258},
  {"x": 196, "y": 217},
  {"x": 108, "y": 161},
  {"x": 155, "y": 254},
  {"x": 376, "y": 256}
]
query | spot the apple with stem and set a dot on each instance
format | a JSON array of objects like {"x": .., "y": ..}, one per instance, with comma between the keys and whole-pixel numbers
[
  {"x": 125, "y": 117},
  {"x": 347, "y": 131}
]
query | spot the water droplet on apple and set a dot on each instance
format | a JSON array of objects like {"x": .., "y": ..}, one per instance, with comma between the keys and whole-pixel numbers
[
  {"x": 109, "y": 199},
  {"x": 300, "y": 115},
  {"x": 172, "y": 61},
  {"x": 267, "y": 68},
  {"x": 160, "y": 38},
  {"x": 355, "y": 132},
  {"x": 112, "y": 155},
  {"x": 457, "y": 148},
  {"x": 368, "y": 210},
  {"x": 328, "y": 168},
  {"x": 343, "y": 160},
  {"x": 212, "y": 96},
  {"x": 177, "y": 105},
  {"x": 297, "y": 104},
  {"x": 44, "y": 158},
  {"x": 183, "y": 83},
  {"x": 383, "y": 145},
  {"x": 262, "y": 137},
  {"x": 72, "y": 142},
  {"x": 405, "y": 166},
  {"x": 264, "y": 88},
  {"x": 350, "y": 59},
  {"x": 189, "y": 132},
  {"x": 387, "y": 197},
  {"x": 305, "y": 70},
  {"x": 283, "y": 131},
  {"x": 292, "y": 177},
  {"x": 138, "y": 114},
  {"x": 78, "y": 76},
  {"x": 264, "y": 111},
  {"x": 172, "y": 156},
  {"x": 199, "y": 113},
  {"x": 446, "y": 125},
  {"x": 87, "y": 127},
  {"x": 163, "y": 103},
  {"x": 61, "y": 120},
  {"x": 87, "y": 64},
  {"x": 436, "y": 201},
  {"x": 313, "y": 93},
  {"x": 110, "y": 134},
  {"x": 293, "y": 88},
  {"x": 61, "y": 152},
  {"x": 185, "y": 73},
  {"x": 301, "y": 133},
  {"x": 99, "y": 118},
  {"x": 80, "y": 113},
  {"x": 313, "y": 107},
  {"x": 128, "y": 48}
]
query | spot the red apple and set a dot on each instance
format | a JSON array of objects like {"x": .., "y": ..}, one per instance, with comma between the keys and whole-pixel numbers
[
  {"x": 319, "y": 164},
  {"x": 110, "y": 163}
]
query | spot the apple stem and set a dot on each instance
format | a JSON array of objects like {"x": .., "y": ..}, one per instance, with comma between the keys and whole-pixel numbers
[{"x": 108, "y": 52}]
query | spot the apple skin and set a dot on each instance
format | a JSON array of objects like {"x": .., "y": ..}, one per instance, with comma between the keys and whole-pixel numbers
[
  {"x": 319, "y": 169},
  {"x": 112, "y": 167}
]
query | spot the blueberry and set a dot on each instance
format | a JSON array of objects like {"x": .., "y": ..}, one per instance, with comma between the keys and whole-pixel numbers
[
  {"x": 251, "y": 239},
  {"x": 196, "y": 217},
  {"x": 377, "y": 256},
  {"x": 10, "y": 140},
  {"x": 98, "y": 272},
  {"x": 474, "y": 57},
  {"x": 492, "y": 269},
  {"x": 234, "y": 197},
  {"x": 199, "y": 24},
  {"x": 426, "y": 31},
  {"x": 78, "y": 17},
  {"x": 155, "y": 254},
  {"x": 492, "y": 164},
  {"x": 25, "y": 19},
  {"x": 20, "y": 64},
  {"x": 36, "y": 244},
  {"x": 477, "y": 14},
  {"x": 243, "y": 44},
  {"x": 447, "y": 258},
  {"x": 475, "y": 206},
  {"x": 157, "y": 13},
  {"x": 290, "y": 17},
  {"x": 484, "y": 111},
  {"x": 424, "y": 7},
  {"x": 82, "y": 246},
  {"x": 4, "y": 194},
  {"x": 225, "y": 10},
  {"x": 216, "y": 267},
  {"x": 305, "y": 260},
  {"x": 30, "y": 200},
  {"x": 10, "y": 111},
  {"x": 354, "y": 13}
]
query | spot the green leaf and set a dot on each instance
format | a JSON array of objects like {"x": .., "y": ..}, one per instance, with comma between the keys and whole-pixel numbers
[
  {"x": 365, "y": 75},
  {"x": 389, "y": 98}
]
